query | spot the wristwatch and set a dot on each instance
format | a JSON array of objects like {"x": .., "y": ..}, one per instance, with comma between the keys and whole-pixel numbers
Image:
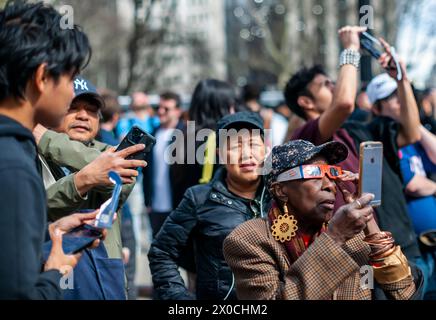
[{"x": 350, "y": 56}]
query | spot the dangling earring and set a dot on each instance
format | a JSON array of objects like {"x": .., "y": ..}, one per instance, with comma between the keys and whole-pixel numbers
[{"x": 285, "y": 226}]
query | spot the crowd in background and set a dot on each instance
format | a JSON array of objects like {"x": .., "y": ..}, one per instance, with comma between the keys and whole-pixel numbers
[{"x": 213, "y": 218}]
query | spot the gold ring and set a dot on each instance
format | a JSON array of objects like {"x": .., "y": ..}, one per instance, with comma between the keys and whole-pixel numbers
[{"x": 360, "y": 205}]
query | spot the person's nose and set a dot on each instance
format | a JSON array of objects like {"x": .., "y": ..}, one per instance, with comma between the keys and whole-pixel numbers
[
  {"x": 246, "y": 152},
  {"x": 328, "y": 185},
  {"x": 82, "y": 114}
]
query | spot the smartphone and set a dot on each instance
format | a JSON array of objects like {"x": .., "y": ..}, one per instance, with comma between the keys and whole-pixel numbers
[
  {"x": 371, "y": 44},
  {"x": 76, "y": 240},
  {"x": 138, "y": 136},
  {"x": 374, "y": 47},
  {"x": 370, "y": 170}
]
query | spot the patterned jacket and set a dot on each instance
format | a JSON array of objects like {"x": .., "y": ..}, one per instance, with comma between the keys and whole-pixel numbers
[{"x": 325, "y": 270}]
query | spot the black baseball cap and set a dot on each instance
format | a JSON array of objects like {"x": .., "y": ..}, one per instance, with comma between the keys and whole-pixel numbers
[
  {"x": 84, "y": 88},
  {"x": 240, "y": 120},
  {"x": 298, "y": 152}
]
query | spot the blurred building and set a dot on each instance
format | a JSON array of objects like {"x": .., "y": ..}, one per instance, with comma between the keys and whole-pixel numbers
[
  {"x": 203, "y": 23},
  {"x": 192, "y": 43},
  {"x": 274, "y": 38}
]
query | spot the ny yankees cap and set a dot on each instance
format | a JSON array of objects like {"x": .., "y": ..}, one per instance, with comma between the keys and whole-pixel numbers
[{"x": 84, "y": 88}]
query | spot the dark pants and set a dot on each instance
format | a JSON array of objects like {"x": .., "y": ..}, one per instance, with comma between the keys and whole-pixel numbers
[{"x": 157, "y": 220}]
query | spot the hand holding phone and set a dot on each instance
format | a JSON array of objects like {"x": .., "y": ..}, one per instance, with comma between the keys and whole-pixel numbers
[
  {"x": 382, "y": 51},
  {"x": 137, "y": 136},
  {"x": 66, "y": 239},
  {"x": 370, "y": 170},
  {"x": 82, "y": 234}
]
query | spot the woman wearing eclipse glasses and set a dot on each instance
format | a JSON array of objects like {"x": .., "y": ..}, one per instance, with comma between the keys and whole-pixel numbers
[{"x": 303, "y": 250}]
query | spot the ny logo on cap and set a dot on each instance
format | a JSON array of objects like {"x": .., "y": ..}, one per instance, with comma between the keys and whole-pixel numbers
[{"x": 82, "y": 83}]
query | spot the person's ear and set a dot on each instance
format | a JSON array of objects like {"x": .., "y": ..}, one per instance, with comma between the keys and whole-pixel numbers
[
  {"x": 377, "y": 108},
  {"x": 279, "y": 193},
  {"x": 41, "y": 78},
  {"x": 305, "y": 103},
  {"x": 179, "y": 112}
]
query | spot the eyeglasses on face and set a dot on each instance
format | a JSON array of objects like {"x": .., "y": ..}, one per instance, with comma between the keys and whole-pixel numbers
[{"x": 310, "y": 171}]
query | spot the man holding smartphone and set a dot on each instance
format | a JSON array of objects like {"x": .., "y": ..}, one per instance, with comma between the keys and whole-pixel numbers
[
  {"x": 327, "y": 108},
  {"x": 75, "y": 170},
  {"x": 38, "y": 61}
]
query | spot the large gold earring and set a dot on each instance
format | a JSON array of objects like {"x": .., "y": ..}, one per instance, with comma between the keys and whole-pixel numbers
[{"x": 284, "y": 227}]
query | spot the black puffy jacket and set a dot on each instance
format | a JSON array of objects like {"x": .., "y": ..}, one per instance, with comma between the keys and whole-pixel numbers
[{"x": 207, "y": 215}]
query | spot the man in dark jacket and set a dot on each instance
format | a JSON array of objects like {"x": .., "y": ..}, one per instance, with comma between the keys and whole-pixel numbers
[
  {"x": 37, "y": 62},
  {"x": 208, "y": 213},
  {"x": 158, "y": 182}
]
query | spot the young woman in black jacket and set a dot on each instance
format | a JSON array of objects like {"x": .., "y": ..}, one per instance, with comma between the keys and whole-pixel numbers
[{"x": 208, "y": 213}]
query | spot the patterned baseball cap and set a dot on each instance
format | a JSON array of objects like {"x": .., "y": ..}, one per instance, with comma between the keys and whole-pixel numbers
[
  {"x": 83, "y": 87},
  {"x": 298, "y": 152}
]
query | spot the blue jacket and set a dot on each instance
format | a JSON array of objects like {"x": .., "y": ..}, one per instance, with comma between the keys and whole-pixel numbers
[{"x": 23, "y": 218}]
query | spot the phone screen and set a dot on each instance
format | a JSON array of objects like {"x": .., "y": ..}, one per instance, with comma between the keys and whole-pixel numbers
[
  {"x": 76, "y": 240},
  {"x": 371, "y": 169}
]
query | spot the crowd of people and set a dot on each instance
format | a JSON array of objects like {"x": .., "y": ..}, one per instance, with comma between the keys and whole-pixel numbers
[{"x": 270, "y": 210}]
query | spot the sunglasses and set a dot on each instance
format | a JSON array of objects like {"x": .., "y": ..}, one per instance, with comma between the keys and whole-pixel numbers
[{"x": 311, "y": 171}]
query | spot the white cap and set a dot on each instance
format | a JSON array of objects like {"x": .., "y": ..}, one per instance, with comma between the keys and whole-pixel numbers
[{"x": 381, "y": 87}]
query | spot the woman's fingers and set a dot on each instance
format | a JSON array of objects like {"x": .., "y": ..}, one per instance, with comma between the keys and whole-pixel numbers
[
  {"x": 348, "y": 196},
  {"x": 363, "y": 201}
]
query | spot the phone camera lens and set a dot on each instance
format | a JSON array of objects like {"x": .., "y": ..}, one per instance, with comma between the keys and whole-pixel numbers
[{"x": 372, "y": 160}]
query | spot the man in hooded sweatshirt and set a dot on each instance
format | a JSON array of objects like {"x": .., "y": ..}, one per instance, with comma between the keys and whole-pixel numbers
[{"x": 38, "y": 61}]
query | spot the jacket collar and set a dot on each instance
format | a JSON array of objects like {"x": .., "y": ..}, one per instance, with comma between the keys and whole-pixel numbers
[
  {"x": 219, "y": 184},
  {"x": 12, "y": 128}
]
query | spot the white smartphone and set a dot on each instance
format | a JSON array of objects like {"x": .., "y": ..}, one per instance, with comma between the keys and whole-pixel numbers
[{"x": 371, "y": 170}]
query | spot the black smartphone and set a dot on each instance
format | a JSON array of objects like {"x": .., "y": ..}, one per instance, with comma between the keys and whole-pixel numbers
[
  {"x": 371, "y": 44},
  {"x": 138, "y": 136},
  {"x": 76, "y": 240}
]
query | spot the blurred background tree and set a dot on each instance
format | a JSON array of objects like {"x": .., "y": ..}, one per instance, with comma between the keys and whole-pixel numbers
[{"x": 154, "y": 45}]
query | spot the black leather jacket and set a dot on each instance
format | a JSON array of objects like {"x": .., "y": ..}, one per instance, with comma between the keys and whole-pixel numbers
[{"x": 207, "y": 215}]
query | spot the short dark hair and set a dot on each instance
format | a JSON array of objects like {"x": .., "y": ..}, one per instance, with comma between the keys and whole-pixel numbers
[
  {"x": 250, "y": 92},
  {"x": 31, "y": 35},
  {"x": 111, "y": 107},
  {"x": 297, "y": 87},
  {"x": 170, "y": 95}
]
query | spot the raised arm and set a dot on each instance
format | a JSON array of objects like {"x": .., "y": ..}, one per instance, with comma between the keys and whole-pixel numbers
[
  {"x": 428, "y": 142},
  {"x": 409, "y": 116},
  {"x": 344, "y": 96}
]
